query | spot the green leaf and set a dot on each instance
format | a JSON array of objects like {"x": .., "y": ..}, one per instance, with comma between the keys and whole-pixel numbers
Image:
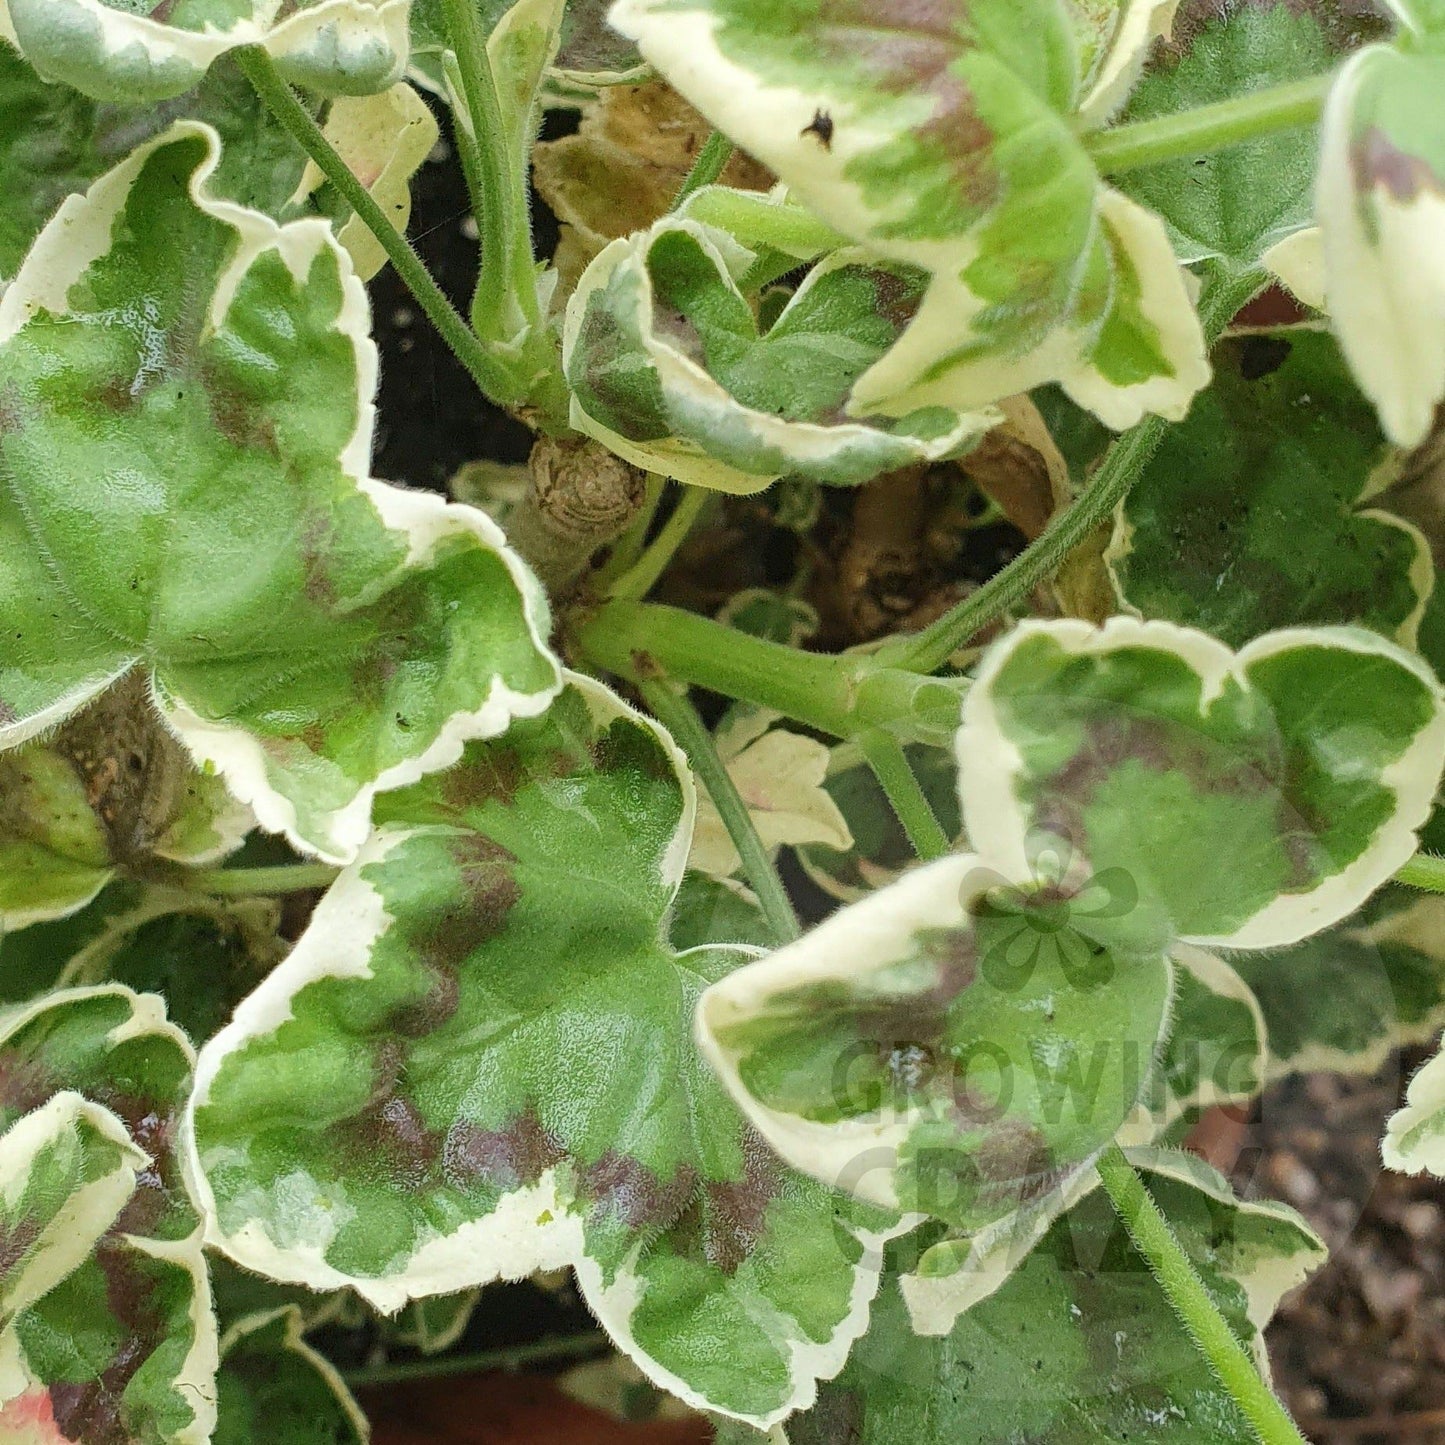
[
  {"x": 1381, "y": 206},
  {"x": 149, "y": 50},
  {"x": 1345, "y": 999},
  {"x": 1218, "y": 1046},
  {"x": 1254, "y": 513},
  {"x": 670, "y": 368},
  {"x": 185, "y": 388},
  {"x": 477, "y": 1063},
  {"x": 122, "y": 1347},
  {"x": 1238, "y": 202},
  {"x": 68, "y": 1169},
  {"x": 953, "y": 1044},
  {"x": 949, "y": 138},
  {"x": 1080, "y": 1345},
  {"x": 1251, "y": 798},
  {"x": 710, "y": 911},
  {"x": 273, "y": 1386},
  {"x": 112, "y": 790}
]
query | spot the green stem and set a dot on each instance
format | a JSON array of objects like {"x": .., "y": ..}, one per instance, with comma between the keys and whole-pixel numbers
[
  {"x": 494, "y": 206},
  {"x": 842, "y": 696},
  {"x": 1425, "y": 871},
  {"x": 243, "y": 882},
  {"x": 1225, "y": 292},
  {"x": 1192, "y": 1302},
  {"x": 298, "y": 121},
  {"x": 897, "y": 779},
  {"x": 1210, "y": 127},
  {"x": 642, "y": 576},
  {"x": 515, "y": 1357},
  {"x": 716, "y": 152},
  {"x": 677, "y": 714}
]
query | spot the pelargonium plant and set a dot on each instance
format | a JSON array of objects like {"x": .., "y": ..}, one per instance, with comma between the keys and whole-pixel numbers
[{"x": 950, "y": 700}]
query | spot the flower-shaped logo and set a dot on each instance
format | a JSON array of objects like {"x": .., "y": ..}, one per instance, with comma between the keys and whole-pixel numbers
[{"x": 1052, "y": 918}]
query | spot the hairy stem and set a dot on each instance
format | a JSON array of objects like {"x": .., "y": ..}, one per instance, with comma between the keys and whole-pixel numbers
[
  {"x": 1209, "y": 127},
  {"x": 677, "y": 714},
  {"x": 1192, "y": 1302},
  {"x": 842, "y": 696},
  {"x": 1425, "y": 871},
  {"x": 896, "y": 777},
  {"x": 642, "y": 576},
  {"x": 279, "y": 99},
  {"x": 246, "y": 882},
  {"x": 716, "y": 152},
  {"x": 1225, "y": 291}
]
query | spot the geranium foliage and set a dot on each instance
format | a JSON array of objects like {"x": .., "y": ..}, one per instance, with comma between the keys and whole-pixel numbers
[{"x": 948, "y": 703}]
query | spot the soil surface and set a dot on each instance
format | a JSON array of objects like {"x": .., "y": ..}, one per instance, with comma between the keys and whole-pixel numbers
[{"x": 1359, "y": 1352}]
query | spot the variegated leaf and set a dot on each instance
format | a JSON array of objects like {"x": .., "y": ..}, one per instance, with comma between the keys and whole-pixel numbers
[
  {"x": 1380, "y": 201},
  {"x": 154, "y": 49},
  {"x": 476, "y": 1064},
  {"x": 1250, "y": 798},
  {"x": 1080, "y": 1344},
  {"x": 123, "y": 1347},
  {"x": 1345, "y": 999},
  {"x": 185, "y": 389},
  {"x": 67, "y": 1169},
  {"x": 949, "y": 139},
  {"x": 112, "y": 789},
  {"x": 670, "y": 368},
  {"x": 1257, "y": 511},
  {"x": 954, "y": 1044}
]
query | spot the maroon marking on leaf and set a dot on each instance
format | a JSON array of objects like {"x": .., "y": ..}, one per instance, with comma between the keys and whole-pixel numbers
[
  {"x": 910, "y": 48},
  {"x": 621, "y": 1187},
  {"x": 1378, "y": 162},
  {"x": 16, "y": 1242},
  {"x": 734, "y": 1217},
  {"x": 318, "y": 585},
  {"x": 505, "y": 1159},
  {"x": 93, "y": 1411},
  {"x": 25, "y": 1084}
]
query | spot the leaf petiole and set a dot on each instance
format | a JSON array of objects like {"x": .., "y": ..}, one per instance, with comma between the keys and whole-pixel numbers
[
  {"x": 1192, "y": 1302},
  {"x": 1424, "y": 871},
  {"x": 1225, "y": 291},
  {"x": 674, "y": 710},
  {"x": 1209, "y": 128},
  {"x": 281, "y": 101},
  {"x": 896, "y": 777},
  {"x": 247, "y": 882}
]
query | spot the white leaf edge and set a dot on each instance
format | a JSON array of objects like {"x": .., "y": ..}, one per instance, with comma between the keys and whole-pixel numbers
[
  {"x": 774, "y": 122},
  {"x": 1414, "y": 1141},
  {"x": 307, "y": 43},
  {"x": 1385, "y": 296},
  {"x": 1136, "y": 29},
  {"x": 78, "y": 234},
  {"x": 692, "y": 394},
  {"x": 72, "y": 1231},
  {"x": 989, "y": 1259},
  {"x": 899, "y": 383},
  {"x": 533, "y": 1228},
  {"x": 989, "y": 763},
  {"x": 858, "y": 1156}
]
